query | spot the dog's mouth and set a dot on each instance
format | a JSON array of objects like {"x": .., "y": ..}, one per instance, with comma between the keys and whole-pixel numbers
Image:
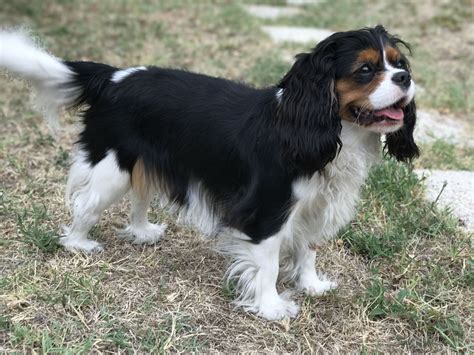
[{"x": 390, "y": 115}]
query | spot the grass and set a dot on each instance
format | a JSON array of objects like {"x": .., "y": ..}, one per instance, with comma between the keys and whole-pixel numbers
[
  {"x": 33, "y": 232},
  {"x": 394, "y": 212},
  {"x": 397, "y": 230},
  {"x": 267, "y": 71},
  {"x": 415, "y": 309},
  {"x": 445, "y": 156},
  {"x": 404, "y": 269}
]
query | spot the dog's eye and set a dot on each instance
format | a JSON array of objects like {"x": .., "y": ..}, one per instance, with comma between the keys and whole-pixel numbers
[
  {"x": 401, "y": 64},
  {"x": 365, "y": 69}
]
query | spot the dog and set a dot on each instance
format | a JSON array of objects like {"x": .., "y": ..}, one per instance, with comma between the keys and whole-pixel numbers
[{"x": 270, "y": 172}]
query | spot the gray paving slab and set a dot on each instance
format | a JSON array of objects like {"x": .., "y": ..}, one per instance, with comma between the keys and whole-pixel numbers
[
  {"x": 303, "y": 2},
  {"x": 432, "y": 125},
  {"x": 296, "y": 34},
  {"x": 271, "y": 12},
  {"x": 458, "y": 194}
]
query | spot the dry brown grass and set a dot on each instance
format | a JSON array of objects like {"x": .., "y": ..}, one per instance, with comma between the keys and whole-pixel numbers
[{"x": 170, "y": 296}]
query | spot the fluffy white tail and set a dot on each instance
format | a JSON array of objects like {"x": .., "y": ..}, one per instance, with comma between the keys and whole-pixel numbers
[{"x": 50, "y": 77}]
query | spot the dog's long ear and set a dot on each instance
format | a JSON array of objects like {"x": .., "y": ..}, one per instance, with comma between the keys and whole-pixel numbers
[
  {"x": 400, "y": 144},
  {"x": 307, "y": 115}
]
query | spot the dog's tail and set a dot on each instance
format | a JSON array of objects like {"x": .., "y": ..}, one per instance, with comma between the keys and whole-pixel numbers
[{"x": 56, "y": 83}]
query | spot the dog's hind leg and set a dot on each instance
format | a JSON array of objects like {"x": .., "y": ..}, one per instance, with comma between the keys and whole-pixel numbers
[
  {"x": 140, "y": 230},
  {"x": 298, "y": 266},
  {"x": 91, "y": 189},
  {"x": 308, "y": 280}
]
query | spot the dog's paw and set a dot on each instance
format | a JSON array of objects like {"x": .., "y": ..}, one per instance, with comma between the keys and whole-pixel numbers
[
  {"x": 313, "y": 286},
  {"x": 84, "y": 244},
  {"x": 147, "y": 234},
  {"x": 278, "y": 309}
]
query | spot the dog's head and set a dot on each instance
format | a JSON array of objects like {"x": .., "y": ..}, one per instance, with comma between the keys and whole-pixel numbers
[{"x": 357, "y": 76}]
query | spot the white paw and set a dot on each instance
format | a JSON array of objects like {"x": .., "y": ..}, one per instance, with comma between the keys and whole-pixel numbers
[
  {"x": 83, "y": 244},
  {"x": 314, "y": 286},
  {"x": 278, "y": 309},
  {"x": 146, "y": 234}
]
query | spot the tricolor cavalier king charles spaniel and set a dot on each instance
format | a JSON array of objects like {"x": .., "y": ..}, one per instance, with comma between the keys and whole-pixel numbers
[{"x": 271, "y": 172}]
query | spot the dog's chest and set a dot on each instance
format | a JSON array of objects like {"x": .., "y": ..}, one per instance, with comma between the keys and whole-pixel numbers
[{"x": 327, "y": 201}]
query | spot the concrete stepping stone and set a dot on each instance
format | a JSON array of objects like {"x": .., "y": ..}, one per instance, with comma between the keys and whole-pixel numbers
[
  {"x": 271, "y": 12},
  {"x": 432, "y": 125},
  {"x": 458, "y": 193},
  {"x": 302, "y": 2},
  {"x": 296, "y": 34}
]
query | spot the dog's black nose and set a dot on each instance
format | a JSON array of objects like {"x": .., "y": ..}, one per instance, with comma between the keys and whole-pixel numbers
[{"x": 402, "y": 79}]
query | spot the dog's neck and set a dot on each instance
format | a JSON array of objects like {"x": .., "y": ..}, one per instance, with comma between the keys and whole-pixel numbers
[
  {"x": 359, "y": 143},
  {"x": 354, "y": 136}
]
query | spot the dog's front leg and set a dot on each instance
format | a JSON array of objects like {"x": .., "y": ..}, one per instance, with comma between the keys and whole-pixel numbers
[{"x": 256, "y": 269}]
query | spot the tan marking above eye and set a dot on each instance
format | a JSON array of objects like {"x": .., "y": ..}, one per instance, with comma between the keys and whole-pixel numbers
[
  {"x": 368, "y": 55},
  {"x": 392, "y": 54}
]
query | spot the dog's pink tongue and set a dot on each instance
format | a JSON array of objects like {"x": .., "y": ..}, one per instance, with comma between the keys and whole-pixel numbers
[{"x": 393, "y": 113}]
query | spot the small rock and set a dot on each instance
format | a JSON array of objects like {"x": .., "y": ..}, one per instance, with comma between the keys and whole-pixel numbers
[
  {"x": 458, "y": 193},
  {"x": 271, "y": 12},
  {"x": 296, "y": 34}
]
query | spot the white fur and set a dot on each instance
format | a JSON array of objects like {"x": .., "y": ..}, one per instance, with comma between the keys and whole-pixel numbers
[
  {"x": 388, "y": 93},
  {"x": 327, "y": 200},
  {"x": 47, "y": 74},
  {"x": 198, "y": 212},
  {"x": 279, "y": 94},
  {"x": 79, "y": 177},
  {"x": 411, "y": 92},
  {"x": 140, "y": 230},
  {"x": 307, "y": 279},
  {"x": 91, "y": 190},
  {"x": 254, "y": 274},
  {"x": 120, "y": 75}
]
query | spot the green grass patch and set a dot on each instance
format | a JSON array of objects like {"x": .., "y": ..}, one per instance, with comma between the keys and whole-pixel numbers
[
  {"x": 49, "y": 341},
  {"x": 452, "y": 92},
  {"x": 62, "y": 158},
  {"x": 268, "y": 70},
  {"x": 393, "y": 212},
  {"x": 119, "y": 338},
  {"x": 5, "y": 322},
  {"x": 453, "y": 15},
  {"x": 170, "y": 332},
  {"x": 35, "y": 231},
  {"x": 229, "y": 18},
  {"x": 229, "y": 289},
  {"x": 423, "y": 312},
  {"x": 408, "y": 241},
  {"x": 445, "y": 156},
  {"x": 76, "y": 291}
]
